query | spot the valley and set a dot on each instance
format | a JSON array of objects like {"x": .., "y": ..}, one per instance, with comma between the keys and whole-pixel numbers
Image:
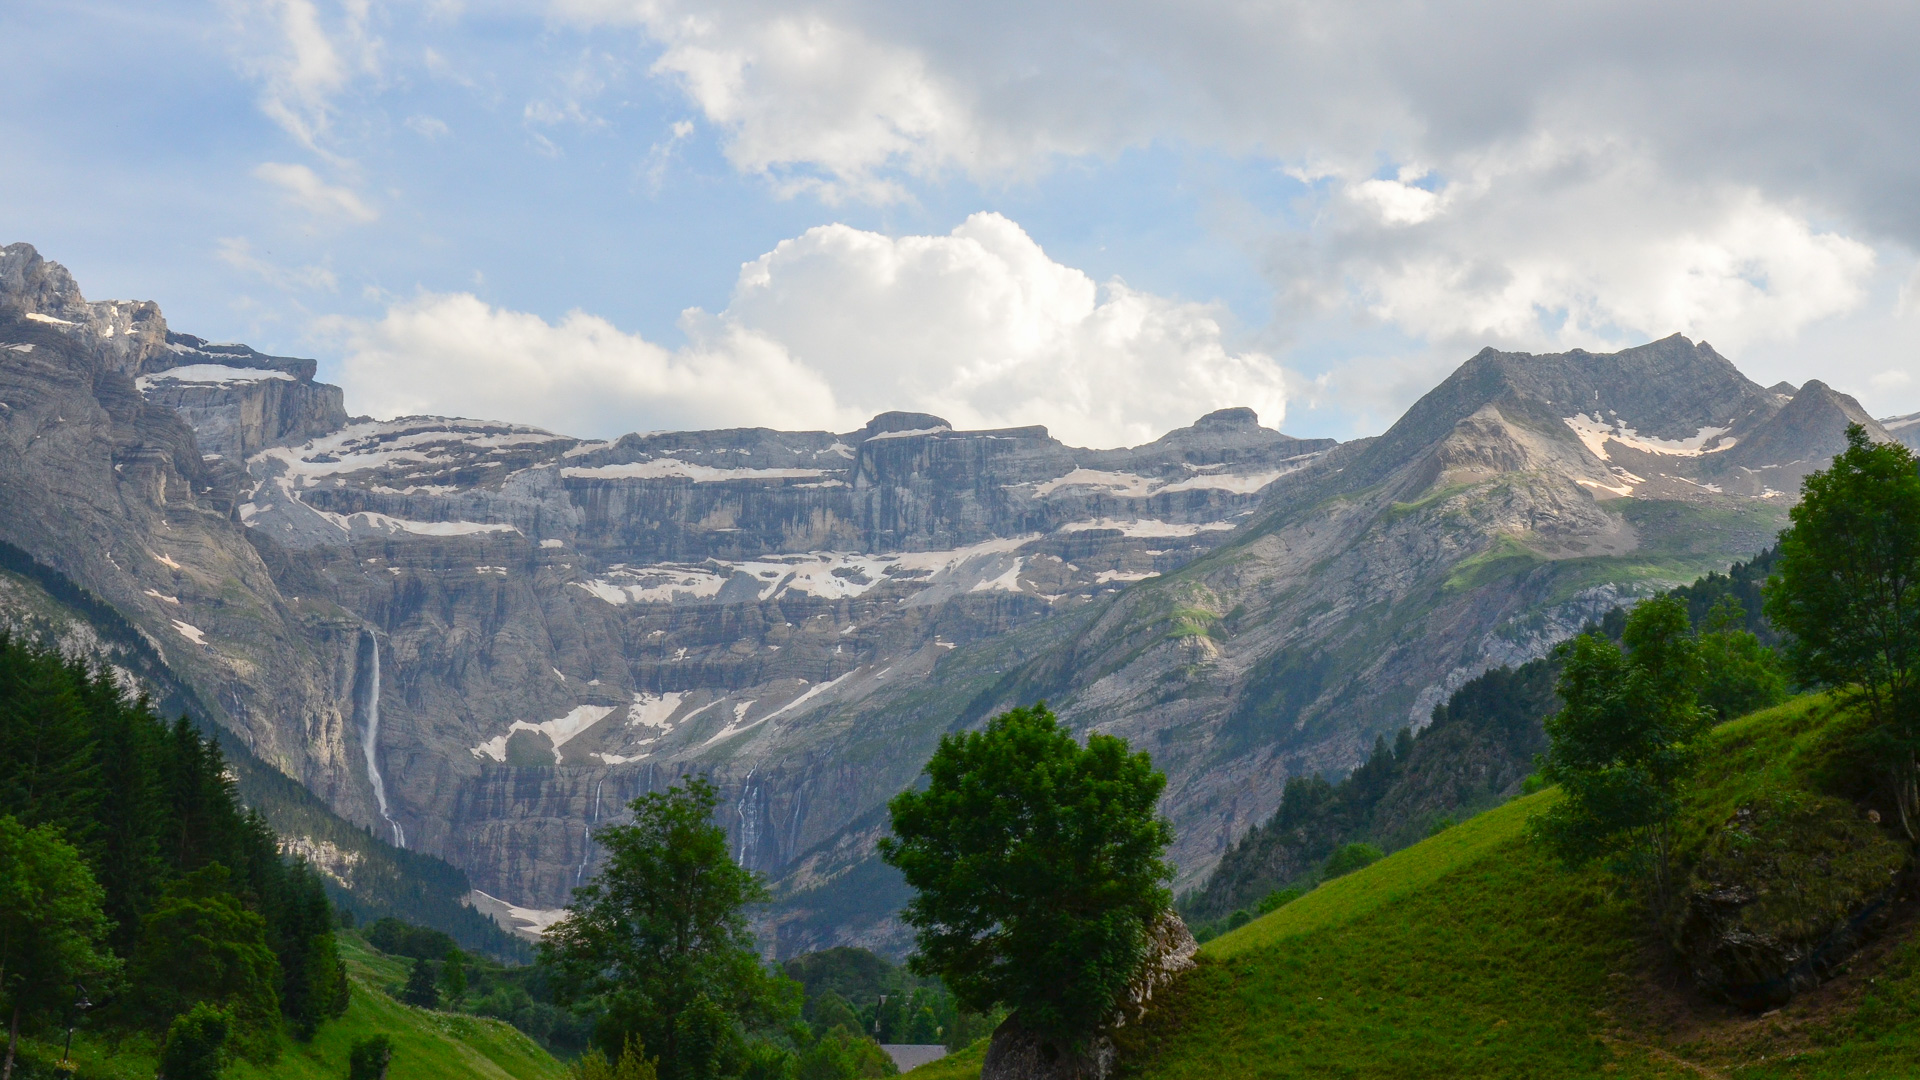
[{"x": 481, "y": 639}]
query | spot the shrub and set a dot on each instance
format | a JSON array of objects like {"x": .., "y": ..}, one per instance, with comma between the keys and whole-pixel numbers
[
  {"x": 370, "y": 1058},
  {"x": 1350, "y": 857},
  {"x": 196, "y": 1046}
]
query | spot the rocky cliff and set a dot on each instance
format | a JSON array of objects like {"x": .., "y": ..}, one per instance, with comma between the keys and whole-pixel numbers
[{"x": 483, "y": 638}]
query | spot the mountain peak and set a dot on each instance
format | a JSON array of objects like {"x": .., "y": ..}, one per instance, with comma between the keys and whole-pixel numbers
[
  {"x": 888, "y": 422},
  {"x": 1237, "y": 418}
]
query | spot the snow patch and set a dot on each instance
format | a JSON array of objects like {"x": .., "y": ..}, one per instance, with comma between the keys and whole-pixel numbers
[
  {"x": 190, "y": 632},
  {"x": 558, "y": 731},
  {"x": 1146, "y": 526},
  {"x": 212, "y": 375},
  {"x": 50, "y": 320},
  {"x": 664, "y": 468},
  {"x": 908, "y": 434},
  {"x": 1595, "y": 431}
]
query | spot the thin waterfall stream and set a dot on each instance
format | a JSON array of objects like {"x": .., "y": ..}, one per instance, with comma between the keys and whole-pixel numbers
[{"x": 371, "y": 740}]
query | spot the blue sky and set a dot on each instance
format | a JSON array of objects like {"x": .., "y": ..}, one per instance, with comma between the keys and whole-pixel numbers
[{"x": 1105, "y": 218}]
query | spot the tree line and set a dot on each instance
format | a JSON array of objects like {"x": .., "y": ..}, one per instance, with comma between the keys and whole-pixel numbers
[{"x": 137, "y": 885}]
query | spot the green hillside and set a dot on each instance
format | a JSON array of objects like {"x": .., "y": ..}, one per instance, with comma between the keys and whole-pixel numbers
[
  {"x": 428, "y": 1045},
  {"x": 1472, "y": 955}
]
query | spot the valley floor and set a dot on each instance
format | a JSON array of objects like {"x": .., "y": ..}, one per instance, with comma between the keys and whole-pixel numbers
[{"x": 1472, "y": 955}]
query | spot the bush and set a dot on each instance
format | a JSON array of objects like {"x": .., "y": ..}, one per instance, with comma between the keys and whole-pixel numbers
[
  {"x": 1279, "y": 898},
  {"x": 1350, "y": 857},
  {"x": 370, "y": 1058},
  {"x": 842, "y": 1055},
  {"x": 196, "y": 1046}
]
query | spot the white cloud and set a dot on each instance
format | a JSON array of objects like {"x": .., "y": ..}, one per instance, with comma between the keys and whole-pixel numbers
[
  {"x": 827, "y": 329},
  {"x": 303, "y": 188},
  {"x": 302, "y": 66},
  {"x": 1560, "y": 245},
  {"x": 431, "y": 128}
]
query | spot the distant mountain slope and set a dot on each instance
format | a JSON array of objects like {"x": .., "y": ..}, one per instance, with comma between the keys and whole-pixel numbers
[
  {"x": 1522, "y": 497},
  {"x": 1905, "y": 428},
  {"x": 483, "y": 639}
]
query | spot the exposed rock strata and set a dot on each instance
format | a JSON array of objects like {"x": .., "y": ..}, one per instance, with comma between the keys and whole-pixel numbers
[{"x": 563, "y": 623}]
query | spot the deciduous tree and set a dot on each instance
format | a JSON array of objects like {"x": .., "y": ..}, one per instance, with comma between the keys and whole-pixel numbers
[
  {"x": 660, "y": 937},
  {"x": 52, "y": 931},
  {"x": 1847, "y": 592},
  {"x": 1038, "y": 870},
  {"x": 1622, "y": 746}
]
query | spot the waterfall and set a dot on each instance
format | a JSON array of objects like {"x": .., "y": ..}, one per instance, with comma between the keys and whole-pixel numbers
[
  {"x": 370, "y": 741},
  {"x": 586, "y": 842}
]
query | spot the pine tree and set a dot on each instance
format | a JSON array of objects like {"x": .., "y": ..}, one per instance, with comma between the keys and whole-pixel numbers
[{"x": 420, "y": 989}]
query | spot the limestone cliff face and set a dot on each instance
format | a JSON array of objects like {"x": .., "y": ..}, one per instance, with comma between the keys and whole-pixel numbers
[
  {"x": 487, "y": 638},
  {"x": 113, "y": 491}
]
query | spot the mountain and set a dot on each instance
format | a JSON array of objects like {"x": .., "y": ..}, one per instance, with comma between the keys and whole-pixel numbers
[
  {"x": 1523, "y": 497},
  {"x": 483, "y": 639},
  {"x": 1905, "y": 428}
]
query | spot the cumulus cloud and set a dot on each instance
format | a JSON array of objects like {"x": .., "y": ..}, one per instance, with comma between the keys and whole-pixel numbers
[
  {"x": 303, "y": 188},
  {"x": 979, "y": 326},
  {"x": 1592, "y": 173},
  {"x": 1779, "y": 97},
  {"x": 1563, "y": 245}
]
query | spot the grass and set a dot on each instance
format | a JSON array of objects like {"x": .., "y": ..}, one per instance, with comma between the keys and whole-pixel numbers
[
  {"x": 1470, "y": 954},
  {"x": 959, "y": 1065},
  {"x": 428, "y": 1045}
]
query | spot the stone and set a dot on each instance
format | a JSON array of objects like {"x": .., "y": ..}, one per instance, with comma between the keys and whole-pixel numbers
[{"x": 1780, "y": 895}]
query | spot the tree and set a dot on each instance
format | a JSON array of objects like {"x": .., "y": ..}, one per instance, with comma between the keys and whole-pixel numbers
[
  {"x": 660, "y": 937},
  {"x": 51, "y": 926},
  {"x": 200, "y": 945},
  {"x": 1622, "y": 745},
  {"x": 1741, "y": 675},
  {"x": 1038, "y": 869},
  {"x": 1847, "y": 592},
  {"x": 196, "y": 1046},
  {"x": 370, "y": 1058},
  {"x": 453, "y": 978},
  {"x": 421, "y": 991}
]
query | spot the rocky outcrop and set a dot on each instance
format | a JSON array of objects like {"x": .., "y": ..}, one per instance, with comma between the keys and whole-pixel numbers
[
  {"x": 1781, "y": 895},
  {"x": 1019, "y": 1053}
]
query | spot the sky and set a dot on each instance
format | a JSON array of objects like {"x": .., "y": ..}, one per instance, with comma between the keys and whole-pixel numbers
[{"x": 601, "y": 216}]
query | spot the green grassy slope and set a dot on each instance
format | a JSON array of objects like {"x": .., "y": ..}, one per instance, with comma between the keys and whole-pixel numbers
[
  {"x": 1471, "y": 955},
  {"x": 428, "y": 1045}
]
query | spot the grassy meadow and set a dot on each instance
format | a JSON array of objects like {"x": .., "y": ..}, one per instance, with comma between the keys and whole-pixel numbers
[
  {"x": 1472, "y": 955},
  {"x": 428, "y": 1045}
]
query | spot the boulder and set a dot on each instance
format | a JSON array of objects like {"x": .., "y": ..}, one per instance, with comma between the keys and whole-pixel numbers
[
  {"x": 1780, "y": 895},
  {"x": 1018, "y": 1053}
]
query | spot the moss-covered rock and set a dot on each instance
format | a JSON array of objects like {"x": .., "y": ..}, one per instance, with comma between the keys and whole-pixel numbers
[{"x": 1780, "y": 894}]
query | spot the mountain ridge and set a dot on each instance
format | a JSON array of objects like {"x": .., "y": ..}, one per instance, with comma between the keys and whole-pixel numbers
[{"x": 514, "y": 632}]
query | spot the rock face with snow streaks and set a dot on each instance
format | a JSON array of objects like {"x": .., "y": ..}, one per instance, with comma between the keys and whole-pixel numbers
[{"x": 559, "y": 624}]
